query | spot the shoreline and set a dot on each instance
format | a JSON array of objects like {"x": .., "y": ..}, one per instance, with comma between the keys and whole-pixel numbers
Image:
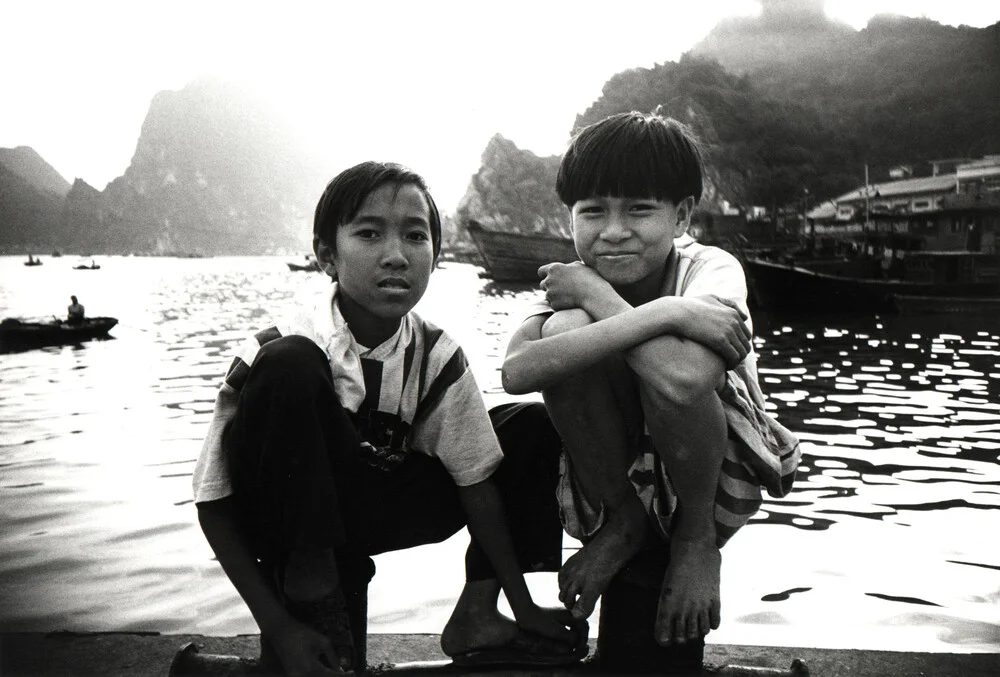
[{"x": 140, "y": 654}]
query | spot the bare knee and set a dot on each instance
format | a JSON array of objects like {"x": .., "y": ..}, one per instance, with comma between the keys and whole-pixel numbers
[{"x": 563, "y": 321}]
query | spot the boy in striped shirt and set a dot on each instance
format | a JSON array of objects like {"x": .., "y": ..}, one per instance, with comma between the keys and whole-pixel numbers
[
  {"x": 643, "y": 356},
  {"x": 355, "y": 428}
]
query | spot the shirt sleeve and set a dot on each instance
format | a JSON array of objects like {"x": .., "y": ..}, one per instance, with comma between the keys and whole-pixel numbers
[
  {"x": 457, "y": 430},
  {"x": 211, "y": 479},
  {"x": 715, "y": 271}
]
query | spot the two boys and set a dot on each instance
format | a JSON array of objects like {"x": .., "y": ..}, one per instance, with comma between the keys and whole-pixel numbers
[{"x": 357, "y": 427}]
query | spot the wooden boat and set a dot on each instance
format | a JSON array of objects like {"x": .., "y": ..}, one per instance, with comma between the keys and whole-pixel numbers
[
  {"x": 945, "y": 256},
  {"x": 908, "y": 304},
  {"x": 91, "y": 266},
  {"x": 310, "y": 266},
  {"x": 516, "y": 257},
  {"x": 20, "y": 334},
  {"x": 32, "y": 261}
]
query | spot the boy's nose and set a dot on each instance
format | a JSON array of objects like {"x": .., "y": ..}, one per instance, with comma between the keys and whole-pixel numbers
[
  {"x": 393, "y": 255},
  {"x": 615, "y": 229}
]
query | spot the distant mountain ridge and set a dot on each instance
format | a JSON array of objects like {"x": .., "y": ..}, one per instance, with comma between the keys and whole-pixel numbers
[
  {"x": 214, "y": 172},
  {"x": 793, "y": 106},
  {"x": 29, "y": 165}
]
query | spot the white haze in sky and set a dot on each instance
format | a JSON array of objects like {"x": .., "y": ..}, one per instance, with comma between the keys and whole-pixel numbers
[{"x": 426, "y": 83}]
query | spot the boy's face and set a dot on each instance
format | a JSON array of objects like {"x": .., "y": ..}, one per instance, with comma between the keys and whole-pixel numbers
[
  {"x": 383, "y": 261},
  {"x": 627, "y": 240}
]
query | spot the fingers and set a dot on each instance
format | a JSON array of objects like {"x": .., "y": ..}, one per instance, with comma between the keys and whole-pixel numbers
[{"x": 585, "y": 604}]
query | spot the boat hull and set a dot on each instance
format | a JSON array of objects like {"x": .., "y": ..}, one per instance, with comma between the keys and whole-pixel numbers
[
  {"x": 17, "y": 334},
  {"x": 794, "y": 289},
  {"x": 516, "y": 257}
]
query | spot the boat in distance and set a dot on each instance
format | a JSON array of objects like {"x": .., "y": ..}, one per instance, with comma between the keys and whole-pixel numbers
[
  {"x": 18, "y": 334},
  {"x": 516, "y": 257}
]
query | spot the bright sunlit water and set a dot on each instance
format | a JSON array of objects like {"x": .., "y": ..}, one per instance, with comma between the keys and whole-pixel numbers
[{"x": 887, "y": 542}]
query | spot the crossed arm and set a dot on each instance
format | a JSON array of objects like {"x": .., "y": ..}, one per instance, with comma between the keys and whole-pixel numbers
[{"x": 680, "y": 345}]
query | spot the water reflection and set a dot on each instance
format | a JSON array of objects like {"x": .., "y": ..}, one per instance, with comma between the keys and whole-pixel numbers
[{"x": 886, "y": 541}]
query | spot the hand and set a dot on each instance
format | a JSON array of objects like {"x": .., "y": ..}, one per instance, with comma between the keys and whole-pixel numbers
[
  {"x": 720, "y": 325},
  {"x": 554, "y": 623},
  {"x": 571, "y": 285},
  {"x": 304, "y": 651}
]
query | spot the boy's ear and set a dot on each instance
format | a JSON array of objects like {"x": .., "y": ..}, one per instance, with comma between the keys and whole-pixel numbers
[
  {"x": 684, "y": 210},
  {"x": 324, "y": 256}
]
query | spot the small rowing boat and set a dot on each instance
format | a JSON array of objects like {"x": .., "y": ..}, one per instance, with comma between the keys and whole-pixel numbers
[{"x": 22, "y": 334}]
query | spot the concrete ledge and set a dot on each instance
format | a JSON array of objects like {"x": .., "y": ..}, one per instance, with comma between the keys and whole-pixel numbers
[{"x": 142, "y": 654}]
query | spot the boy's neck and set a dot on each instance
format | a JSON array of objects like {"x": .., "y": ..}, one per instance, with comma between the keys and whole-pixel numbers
[{"x": 367, "y": 330}]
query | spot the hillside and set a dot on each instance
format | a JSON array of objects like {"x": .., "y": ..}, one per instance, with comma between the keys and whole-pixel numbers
[
  {"x": 26, "y": 163},
  {"x": 30, "y": 217},
  {"x": 900, "y": 91},
  {"x": 214, "y": 172}
]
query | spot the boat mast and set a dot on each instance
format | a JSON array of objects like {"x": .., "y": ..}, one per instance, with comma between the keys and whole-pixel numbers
[{"x": 867, "y": 205}]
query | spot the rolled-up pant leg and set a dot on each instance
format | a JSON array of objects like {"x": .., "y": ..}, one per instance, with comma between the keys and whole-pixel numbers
[
  {"x": 289, "y": 446},
  {"x": 526, "y": 480}
]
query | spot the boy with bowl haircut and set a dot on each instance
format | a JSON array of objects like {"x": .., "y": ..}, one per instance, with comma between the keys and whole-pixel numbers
[
  {"x": 356, "y": 428},
  {"x": 643, "y": 356}
]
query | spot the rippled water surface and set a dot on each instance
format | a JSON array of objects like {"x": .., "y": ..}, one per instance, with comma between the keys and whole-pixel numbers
[{"x": 888, "y": 540}]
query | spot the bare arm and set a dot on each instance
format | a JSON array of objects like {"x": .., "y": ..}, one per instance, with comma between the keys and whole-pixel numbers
[
  {"x": 485, "y": 514},
  {"x": 680, "y": 345},
  {"x": 299, "y": 647}
]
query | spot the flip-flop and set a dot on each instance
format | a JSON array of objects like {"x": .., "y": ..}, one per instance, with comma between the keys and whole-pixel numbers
[{"x": 526, "y": 649}]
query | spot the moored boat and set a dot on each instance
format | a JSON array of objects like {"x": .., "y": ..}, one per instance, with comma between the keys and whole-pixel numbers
[
  {"x": 932, "y": 243},
  {"x": 311, "y": 265},
  {"x": 21, "y": 334},
  {"x": 32, "y": 261},
  {"x": 516, "y": 257}
]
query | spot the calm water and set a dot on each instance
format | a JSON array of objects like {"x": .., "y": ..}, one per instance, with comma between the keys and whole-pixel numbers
[{"x": 888, "y": 541}]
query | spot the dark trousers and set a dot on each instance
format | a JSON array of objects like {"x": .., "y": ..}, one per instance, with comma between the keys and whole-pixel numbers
[{"x": 301, "y": 481}]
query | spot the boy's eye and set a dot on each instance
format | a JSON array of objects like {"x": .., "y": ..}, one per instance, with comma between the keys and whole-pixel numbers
[
  {"x": 589, "y": 209},
  {"x": 418, "y": 236},
  {"x": 366, "y": 233}
]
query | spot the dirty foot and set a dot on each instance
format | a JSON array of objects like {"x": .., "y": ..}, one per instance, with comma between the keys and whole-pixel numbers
[
  {"x": 586, "y": 575},
  {"x": 689, "y": 599},
  {"x": 466, "y": 632}
]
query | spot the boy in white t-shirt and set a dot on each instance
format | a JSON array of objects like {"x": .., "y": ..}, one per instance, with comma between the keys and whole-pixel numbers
[
  {"x": 357, "y": 428},
  {"x": 643, "y": 356}
]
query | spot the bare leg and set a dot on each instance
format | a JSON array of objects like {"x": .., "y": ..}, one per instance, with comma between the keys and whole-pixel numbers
[
  {"x": 691, "y": 442},
  {"x": 476, "y": 623},
  {"x": 590, "y": 410}
]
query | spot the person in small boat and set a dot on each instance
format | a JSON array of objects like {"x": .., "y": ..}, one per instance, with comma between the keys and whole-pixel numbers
[
  {"x": 75, "y": 311},
  {"x": 642, "y": 352},
  {"x": 355, "y": 428}
]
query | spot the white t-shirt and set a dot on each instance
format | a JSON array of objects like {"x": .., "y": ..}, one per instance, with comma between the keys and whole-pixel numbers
[{"x": 428, "y": 400}]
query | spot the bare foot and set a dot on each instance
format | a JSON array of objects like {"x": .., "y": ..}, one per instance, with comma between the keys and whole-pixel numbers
[
  {"x": 586, "y": 575},
  {"x": 467, "y": 631},
  {"x": 689, "y": 599}
]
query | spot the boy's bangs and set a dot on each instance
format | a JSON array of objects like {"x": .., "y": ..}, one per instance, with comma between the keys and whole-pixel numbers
[
  {"x": 631, "y": 156},
  {"x": 622, "y": 170}
]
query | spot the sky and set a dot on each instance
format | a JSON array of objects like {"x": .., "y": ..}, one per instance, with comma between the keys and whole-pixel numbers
[{"x": 426, "y": 83}]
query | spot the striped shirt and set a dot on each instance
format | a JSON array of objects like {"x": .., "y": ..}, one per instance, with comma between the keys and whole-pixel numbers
[{"x": 413, "y": 393}]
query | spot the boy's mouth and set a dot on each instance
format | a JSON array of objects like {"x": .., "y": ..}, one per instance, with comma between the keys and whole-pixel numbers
[{"x": 392, "y": 283}]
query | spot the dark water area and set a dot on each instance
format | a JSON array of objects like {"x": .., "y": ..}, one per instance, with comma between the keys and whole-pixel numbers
[{"x": 886, "y": 542}]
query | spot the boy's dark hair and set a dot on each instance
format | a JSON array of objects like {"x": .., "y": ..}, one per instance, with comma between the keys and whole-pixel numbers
[
  {"x": 633, "y": 155},
  {"x": 347, "y": 191}
]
